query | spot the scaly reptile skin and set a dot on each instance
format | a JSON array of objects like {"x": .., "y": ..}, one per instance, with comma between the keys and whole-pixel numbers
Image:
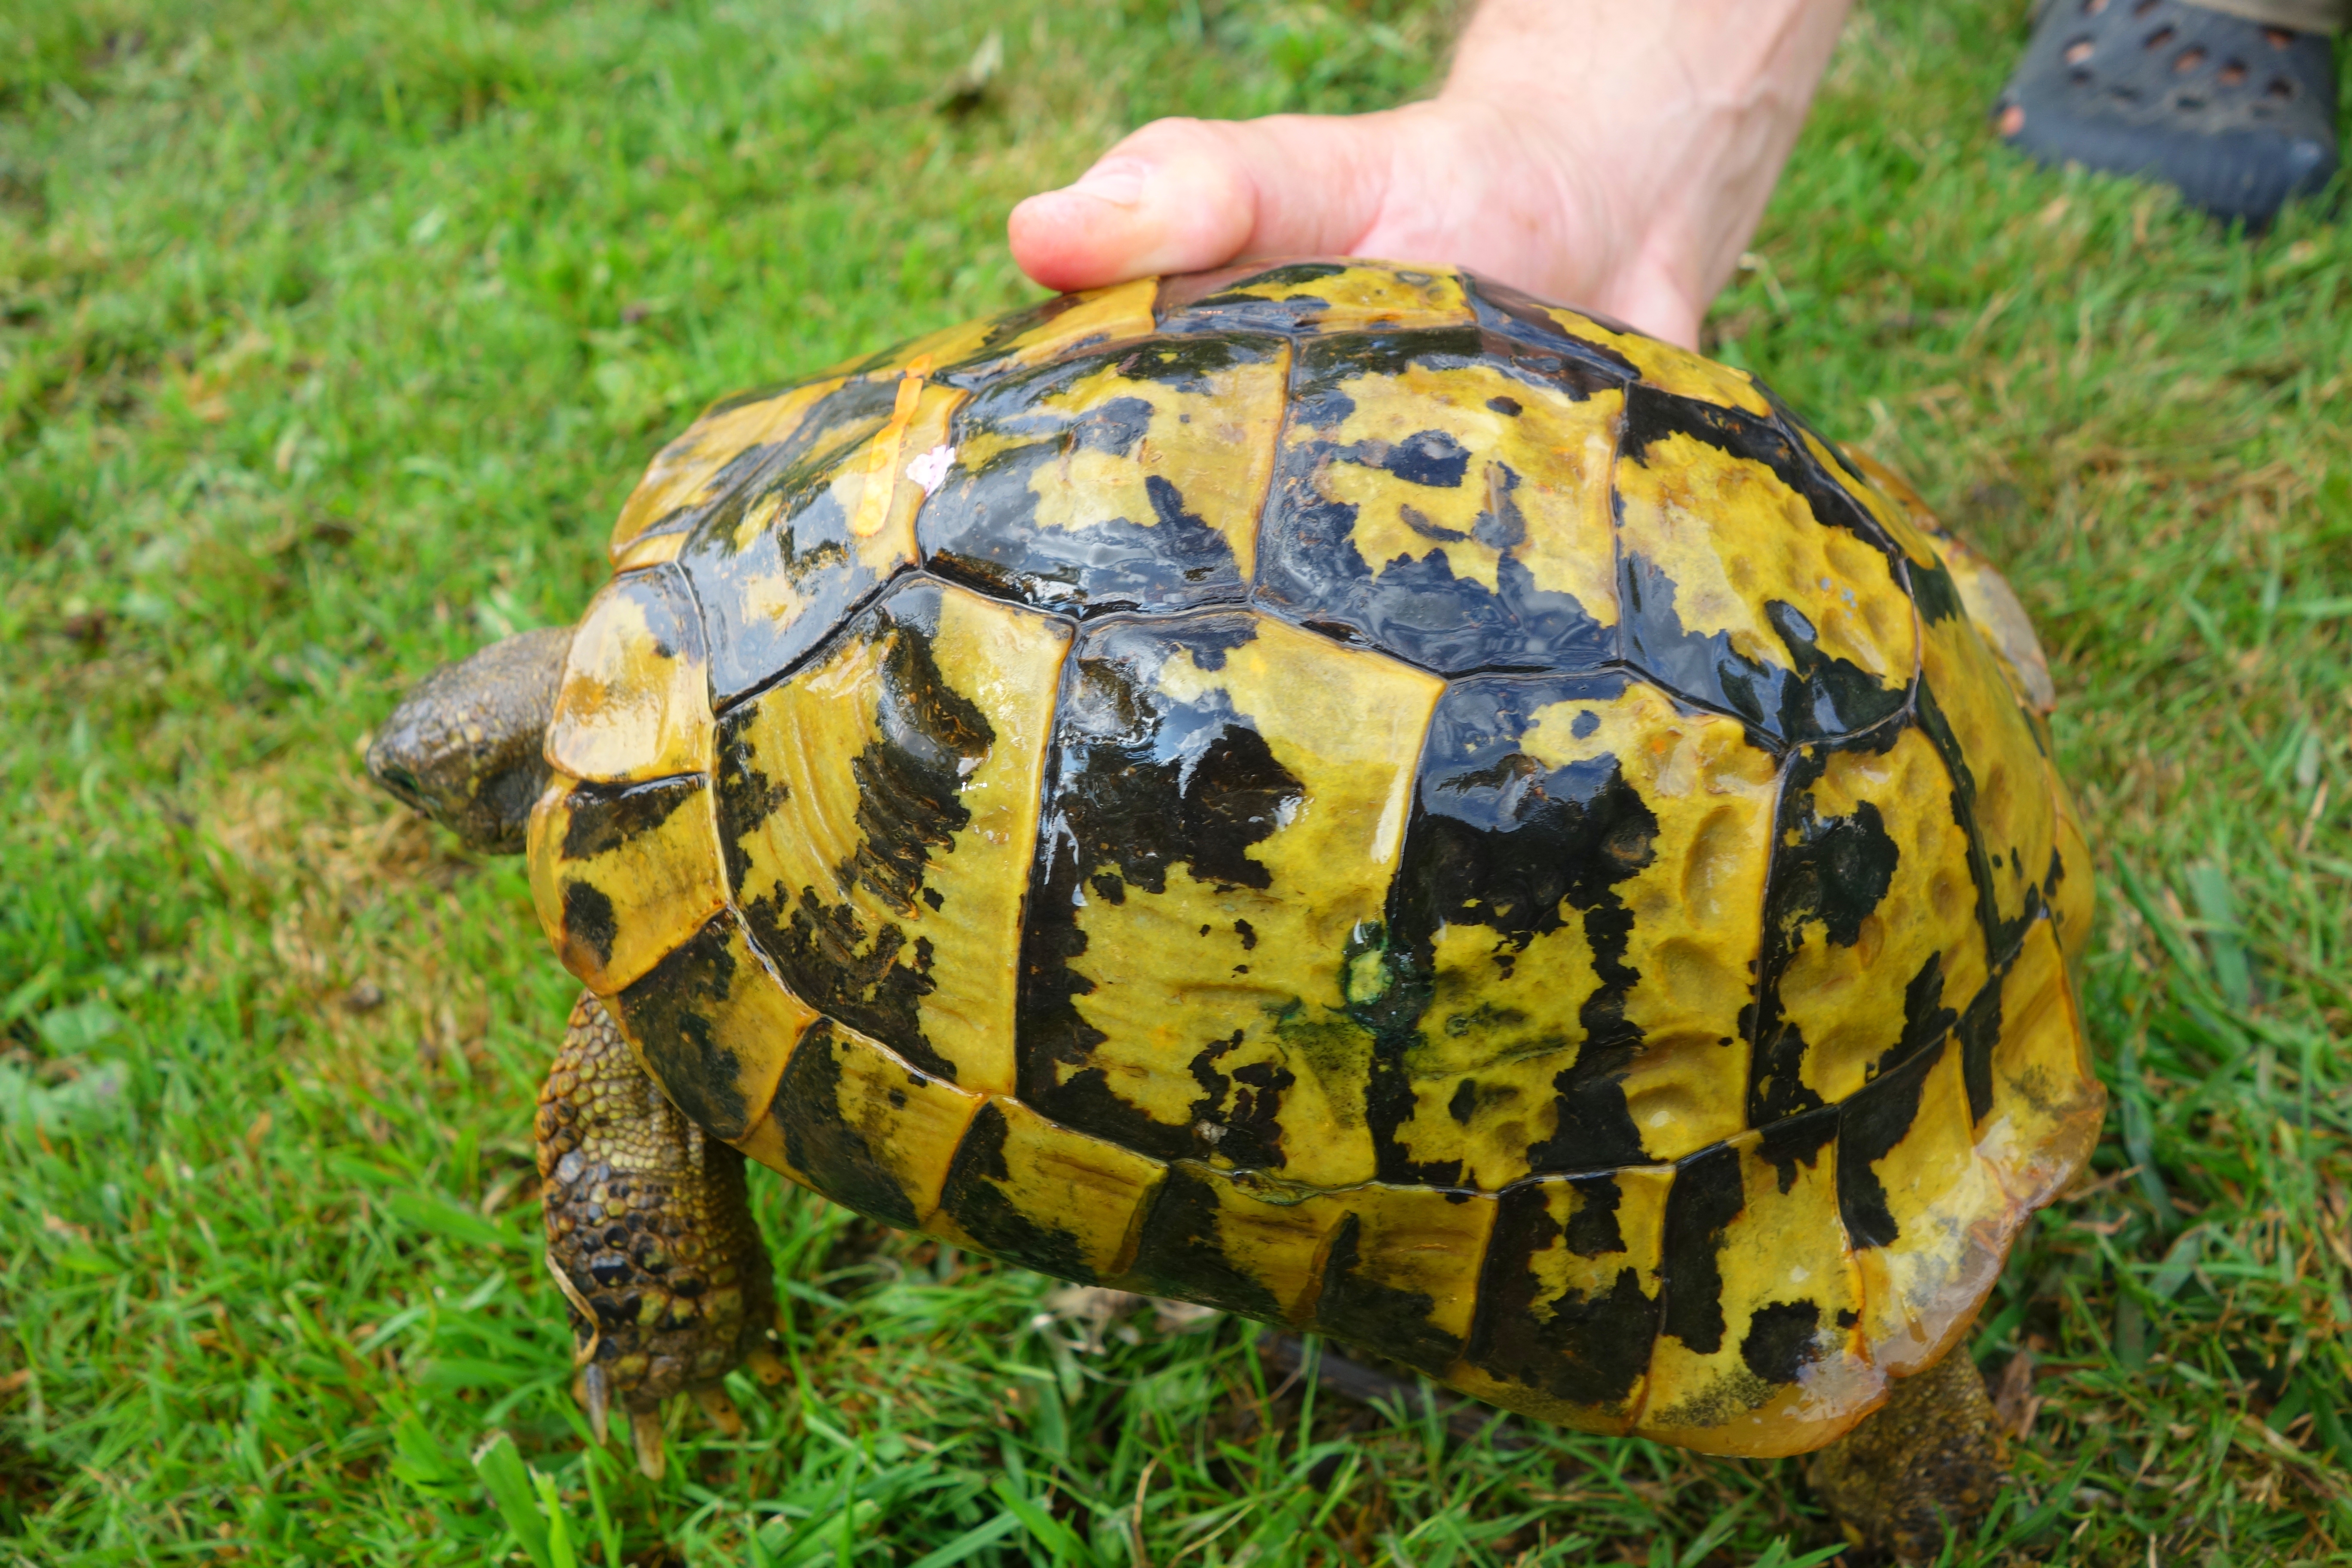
[{"x": 649, "y": 1229}]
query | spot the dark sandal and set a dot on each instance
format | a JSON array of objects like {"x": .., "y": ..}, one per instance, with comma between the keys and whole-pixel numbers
[{"x": 2240, "y": 116}]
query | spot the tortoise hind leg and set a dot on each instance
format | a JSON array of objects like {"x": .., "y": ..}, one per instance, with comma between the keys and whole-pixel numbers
[
  {"x": 650, "y": 1238},
  {"x": 1931, "y": 1457}
]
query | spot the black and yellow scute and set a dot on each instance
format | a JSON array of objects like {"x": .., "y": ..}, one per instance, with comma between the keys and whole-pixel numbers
[{"x": 1344, "y": 793}]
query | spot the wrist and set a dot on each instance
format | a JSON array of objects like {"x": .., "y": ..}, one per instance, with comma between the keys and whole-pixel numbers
[{"x": 1663, "y": 127}]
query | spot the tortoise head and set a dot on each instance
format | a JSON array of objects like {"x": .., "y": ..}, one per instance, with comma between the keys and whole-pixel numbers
[{"x": 464, "y": 747}]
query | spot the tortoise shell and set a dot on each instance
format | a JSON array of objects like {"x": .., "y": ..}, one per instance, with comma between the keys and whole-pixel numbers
[{"x": 1356, "y": 797}]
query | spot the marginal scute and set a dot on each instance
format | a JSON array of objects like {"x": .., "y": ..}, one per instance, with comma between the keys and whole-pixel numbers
[
  {"x": 1223, "y": 812},
  {"x": 1740, "y": 594},
  {"x": 1449, "y": 508},
  {"x": 1926, "y": 1215},
  {"x": 1313, "y": 297},
  {"x": 1208, "y": 1239},
  {"x": 1520, "y": 328},
  {"x": 812, "y": 428},
  {"x": 621, "y": 875},
  {"x": 1044, "y": 1196},
  {"x": 2041, "y": 1102},
  {"x": 732, "y": 436},
  {"x": 781, "y": 559},
  {"x": 1889, "y": 498},
  {"x": 1990, "y": 603},
  {"x": 1400, "y": 1273},
  {"x": 1661, "y": 365},
  {"x": 714, "y": 1025},
  {"x": 854, "y": 1122},
  {"x": 1393, "y": 1269},
  {"x": 1131, "y": 478},
  {"x": 1874, "y": 943},
  {"x": 1760, "y": 1351},
  {"x": 649, "y": 550},
  {"x": 972, "y": 352},
  {"x": 1071, "y": 323},
  {"x": 1569, "y": 1299},
  {"x": 1669, "y": 368},
  {"x": 633, "y": 703},
  {"x": 878, "y": 812},
  {"x": 2000, "y": 618}
]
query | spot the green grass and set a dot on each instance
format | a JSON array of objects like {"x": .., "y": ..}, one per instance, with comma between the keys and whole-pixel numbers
[{"x": 330, "y": 337}]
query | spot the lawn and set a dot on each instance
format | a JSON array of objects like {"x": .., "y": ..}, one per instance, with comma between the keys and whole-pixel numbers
[{"x": 330, "y": 338}]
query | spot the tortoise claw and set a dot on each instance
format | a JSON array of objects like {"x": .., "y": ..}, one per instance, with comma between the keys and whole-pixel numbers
[
  {"x": 645, "y": 1437},
  {"x": 766, "y": 1366},
  {"x": 595, "y": 1391},
  {"x": 721, "y": 1409}
]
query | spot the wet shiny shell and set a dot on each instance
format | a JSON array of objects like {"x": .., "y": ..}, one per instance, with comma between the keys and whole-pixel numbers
[{"x": 1349, "y": 794}]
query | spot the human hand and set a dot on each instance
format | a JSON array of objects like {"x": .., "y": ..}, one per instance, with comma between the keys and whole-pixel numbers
[{"x": 1608, "y": 155}]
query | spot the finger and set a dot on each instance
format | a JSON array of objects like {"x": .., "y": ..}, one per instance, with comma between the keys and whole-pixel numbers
[
  {"x": 1174, "y": 198},
  {"x": 1182, "y": 194}
]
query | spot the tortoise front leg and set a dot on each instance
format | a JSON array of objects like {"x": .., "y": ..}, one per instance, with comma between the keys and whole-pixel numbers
[
  {"x": 650, "y": 1237},
  {"x": 1933, "y": 1455}
]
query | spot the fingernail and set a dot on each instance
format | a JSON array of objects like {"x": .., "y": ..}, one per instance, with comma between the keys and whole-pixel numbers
[{"x": 1119, "y": 181}]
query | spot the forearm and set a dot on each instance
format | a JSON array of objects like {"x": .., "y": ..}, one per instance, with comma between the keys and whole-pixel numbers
[
  {"x": 1687, "y": 108},
  {"x": 1747, "y": 56}
]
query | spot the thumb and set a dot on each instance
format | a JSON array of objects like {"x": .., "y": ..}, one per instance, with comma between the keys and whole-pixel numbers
[{"x": 1182, "y": 194}]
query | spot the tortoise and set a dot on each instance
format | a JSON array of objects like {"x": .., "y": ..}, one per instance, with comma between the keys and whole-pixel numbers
[{"x": 1336, "y": 791}]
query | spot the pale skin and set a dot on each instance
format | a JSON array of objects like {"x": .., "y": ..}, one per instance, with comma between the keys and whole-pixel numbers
[{"x": 1615, "y": 155}]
